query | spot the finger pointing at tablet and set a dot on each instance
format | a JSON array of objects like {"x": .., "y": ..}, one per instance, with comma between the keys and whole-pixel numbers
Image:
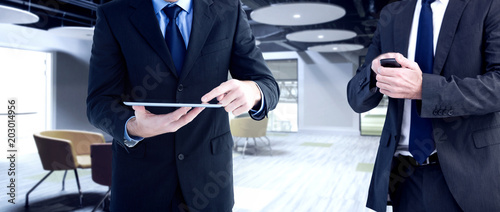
[{"x": 235, "y": 96}]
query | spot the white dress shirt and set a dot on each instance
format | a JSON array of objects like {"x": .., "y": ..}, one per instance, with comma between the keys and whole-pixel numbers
[{"x": 438, "y": 9}]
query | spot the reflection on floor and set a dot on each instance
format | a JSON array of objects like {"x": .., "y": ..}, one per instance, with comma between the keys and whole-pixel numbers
[{"x": 307, "y": 172}]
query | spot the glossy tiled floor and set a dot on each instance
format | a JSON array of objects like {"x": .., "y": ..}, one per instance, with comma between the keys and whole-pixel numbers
[{"x": 307, "y": 172}]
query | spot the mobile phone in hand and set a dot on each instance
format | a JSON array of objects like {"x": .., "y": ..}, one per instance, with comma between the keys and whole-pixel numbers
[{"x": 389, "y": 63}]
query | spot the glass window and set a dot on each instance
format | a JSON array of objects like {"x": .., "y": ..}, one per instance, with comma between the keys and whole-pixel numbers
[
  {"x": 372, "y": 122},
  {"x": 23, "y": 78},
  {"x": 285, "y": 117}
]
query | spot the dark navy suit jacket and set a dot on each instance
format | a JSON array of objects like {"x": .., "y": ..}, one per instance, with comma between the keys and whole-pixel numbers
[
  {"x": 131, "y": 62},
  {"x": 462, "y": 97}
]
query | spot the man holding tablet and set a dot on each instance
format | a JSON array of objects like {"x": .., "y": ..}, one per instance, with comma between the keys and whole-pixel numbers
[{"x": 164, "y": 51}]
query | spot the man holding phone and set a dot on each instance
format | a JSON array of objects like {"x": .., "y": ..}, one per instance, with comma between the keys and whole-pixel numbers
[{"x": 439, "y": 145}]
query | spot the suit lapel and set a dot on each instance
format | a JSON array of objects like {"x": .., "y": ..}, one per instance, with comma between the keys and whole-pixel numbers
[
  {"x": 403, "y": 20},
  {"x": 144, "y": 20},
  {"x": 203, "y": 19},
  {"x": 402, "y": 27},
  {"x": 447, "y": 33}
]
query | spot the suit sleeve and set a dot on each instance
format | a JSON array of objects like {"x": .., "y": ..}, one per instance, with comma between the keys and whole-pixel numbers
[
  {"x": 454, "y": 96},
  {"x": 247, "y": 63},
  {"x": 106, "y": 84},
  {"x": 362, "y": 93}
]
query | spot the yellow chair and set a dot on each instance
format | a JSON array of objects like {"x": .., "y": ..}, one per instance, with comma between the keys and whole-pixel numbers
[
  {"x": 247, "y": 128},
  {"x": 64, "y": 150}
]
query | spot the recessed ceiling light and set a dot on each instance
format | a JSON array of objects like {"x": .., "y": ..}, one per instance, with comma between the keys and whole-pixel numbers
[
  {"x": 336, "y": 48},
  {"x": 85, "y": 33},
  {"x": 322, "y": 35},
  {"x": 11, "y": 15},
  {"x": 297, "y": 14}
]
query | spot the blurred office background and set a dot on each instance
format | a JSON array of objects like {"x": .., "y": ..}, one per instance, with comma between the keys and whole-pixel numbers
[{"x": 322, "y": 152}]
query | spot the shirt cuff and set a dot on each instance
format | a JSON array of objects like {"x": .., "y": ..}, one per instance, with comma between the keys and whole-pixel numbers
[
  {"x": 258, "y": 112},
  {"x": 130, "y": 141}
]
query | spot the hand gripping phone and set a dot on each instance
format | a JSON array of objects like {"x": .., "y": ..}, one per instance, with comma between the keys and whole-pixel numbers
[{"x": 389, "y": 63}]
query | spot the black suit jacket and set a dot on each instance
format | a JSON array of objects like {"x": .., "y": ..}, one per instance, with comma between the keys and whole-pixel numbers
[
  {"x": 131, "y": 62},
  {"x": 462, "y": 97}
]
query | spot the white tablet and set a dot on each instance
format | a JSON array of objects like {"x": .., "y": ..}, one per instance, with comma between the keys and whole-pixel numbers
[{"x": 151, "y": 104}]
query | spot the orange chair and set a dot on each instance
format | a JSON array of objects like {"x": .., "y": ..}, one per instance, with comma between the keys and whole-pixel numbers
[{"x": 64, "y": 150}]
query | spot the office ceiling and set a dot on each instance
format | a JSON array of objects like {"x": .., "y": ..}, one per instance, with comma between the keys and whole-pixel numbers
[{"x": 360, "y": 18}]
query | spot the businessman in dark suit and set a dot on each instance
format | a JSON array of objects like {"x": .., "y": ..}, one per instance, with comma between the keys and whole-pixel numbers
[
  {"x": 167, "y": 159},
  {"x": 456, "y": 93}
]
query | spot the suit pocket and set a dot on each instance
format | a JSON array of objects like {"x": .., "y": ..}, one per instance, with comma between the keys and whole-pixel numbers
[
  {"x": 486, "y": 137},
  {"x": 216, "y": 46},
  {"x": 222, "y": 143}
]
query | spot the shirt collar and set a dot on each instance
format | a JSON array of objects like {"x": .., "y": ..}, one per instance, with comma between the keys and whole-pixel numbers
[
  {"x": 443, "y": 1},
  {"x": 440, "y": 1},
  {"x": 186, "y": 5}
]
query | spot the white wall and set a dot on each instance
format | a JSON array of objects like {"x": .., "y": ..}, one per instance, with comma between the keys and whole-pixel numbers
[
  {"x": 69, "y": 75},
  {"x": 322, "y": 82}
]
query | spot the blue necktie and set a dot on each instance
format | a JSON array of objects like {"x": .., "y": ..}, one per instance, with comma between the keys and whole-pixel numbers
[
  {"x": 421, "y": 143},
  {"x": 174, "y": 39}
]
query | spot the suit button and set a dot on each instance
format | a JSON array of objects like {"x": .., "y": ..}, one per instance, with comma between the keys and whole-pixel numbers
[
  {"x": 180, "y": 88},
  {"x": 180, "y": 157},
  {"x": 450, "y": 112}
]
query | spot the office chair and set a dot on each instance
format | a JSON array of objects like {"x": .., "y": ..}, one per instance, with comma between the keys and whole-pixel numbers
[
  {"x": 101, "y": 157},
  {"x": 64, "y": 150},
  {"x": 247, "y": 128}
]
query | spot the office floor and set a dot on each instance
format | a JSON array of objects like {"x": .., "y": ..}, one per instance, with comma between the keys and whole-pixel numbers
[{"x": 307, "y": 172}]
